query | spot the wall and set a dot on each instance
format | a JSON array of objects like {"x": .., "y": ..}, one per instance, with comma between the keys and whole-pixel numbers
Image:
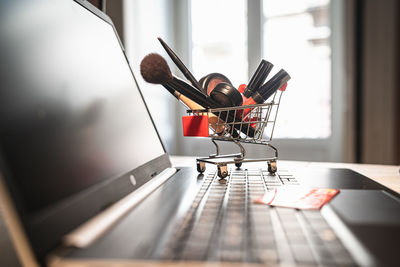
[{"x": 379, "y": 94}]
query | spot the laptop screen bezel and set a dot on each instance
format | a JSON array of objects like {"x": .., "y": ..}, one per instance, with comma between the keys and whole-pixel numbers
[{"x": 46, "y": 228}]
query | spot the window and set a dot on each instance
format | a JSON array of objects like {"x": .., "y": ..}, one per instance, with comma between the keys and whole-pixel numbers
[
  {"x": 295, "y": 36},
  {"x": 219, "y": 41}
]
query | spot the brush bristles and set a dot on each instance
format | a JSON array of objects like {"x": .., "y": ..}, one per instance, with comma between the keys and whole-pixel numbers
[{"x": 155, "y": 69}]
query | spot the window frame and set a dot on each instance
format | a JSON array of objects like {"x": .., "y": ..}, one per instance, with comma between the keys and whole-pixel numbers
[{"x": 321, "y": 149}]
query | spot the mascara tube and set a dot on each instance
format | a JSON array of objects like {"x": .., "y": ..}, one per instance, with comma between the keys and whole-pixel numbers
[
  {"x": 278, "y": 81},
  {"x": 258, "y": 78}
]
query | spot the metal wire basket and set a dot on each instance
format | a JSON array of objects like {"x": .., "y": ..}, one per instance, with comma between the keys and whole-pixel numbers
[{"x": 252, "y": 124}]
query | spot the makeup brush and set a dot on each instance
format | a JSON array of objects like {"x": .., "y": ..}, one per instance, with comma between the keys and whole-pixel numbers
[
  {"x": 155, "y": 69},
  {"x": 180, "y": 65}
]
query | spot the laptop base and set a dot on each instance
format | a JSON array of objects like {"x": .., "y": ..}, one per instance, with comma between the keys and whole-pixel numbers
[{"x": 157, "y": 230}]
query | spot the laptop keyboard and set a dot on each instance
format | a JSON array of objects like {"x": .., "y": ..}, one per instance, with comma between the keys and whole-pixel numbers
[{"x": 223, "y": 224}]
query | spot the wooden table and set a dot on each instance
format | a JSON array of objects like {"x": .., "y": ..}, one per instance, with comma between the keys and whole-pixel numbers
[{"x": 388, "y": 175}]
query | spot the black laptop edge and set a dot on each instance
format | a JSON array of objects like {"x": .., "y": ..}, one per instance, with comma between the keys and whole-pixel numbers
[{"x": 47, "y": 226}]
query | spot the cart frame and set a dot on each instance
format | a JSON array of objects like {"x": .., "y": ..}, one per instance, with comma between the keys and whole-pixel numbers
[{"x": 260, "y": 117}]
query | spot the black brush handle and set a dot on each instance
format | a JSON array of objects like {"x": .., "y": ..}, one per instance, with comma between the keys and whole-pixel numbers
[
  {"x": 180, "y": 65},
  {"x": 276, "y": 82},
  {"x": 258, "y": 77},
  {"x": 205, "y": 101},
  {"x": 190, "y": 92}
]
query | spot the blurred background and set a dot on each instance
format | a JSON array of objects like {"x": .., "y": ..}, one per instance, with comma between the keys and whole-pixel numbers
[{"x": 343, "y": 56}]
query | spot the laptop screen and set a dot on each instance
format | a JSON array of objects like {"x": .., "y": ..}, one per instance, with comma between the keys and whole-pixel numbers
[{"x": 71, "y": 114}]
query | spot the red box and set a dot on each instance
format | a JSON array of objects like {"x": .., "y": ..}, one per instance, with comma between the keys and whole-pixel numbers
[{"x": 195, "y": 126}]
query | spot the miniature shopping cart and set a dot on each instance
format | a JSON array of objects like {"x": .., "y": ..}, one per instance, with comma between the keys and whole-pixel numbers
[{"x": 251, "y": 124}]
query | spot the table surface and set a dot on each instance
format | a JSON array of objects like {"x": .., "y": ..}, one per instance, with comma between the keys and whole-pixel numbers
[{"x": 388, "y": 175}]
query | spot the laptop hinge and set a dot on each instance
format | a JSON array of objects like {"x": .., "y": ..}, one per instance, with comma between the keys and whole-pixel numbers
[{"x": 91, "y": 230}]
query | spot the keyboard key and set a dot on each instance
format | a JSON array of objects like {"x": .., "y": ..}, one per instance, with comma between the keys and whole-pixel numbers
[
  {"x": 272, "y": 181},
  {"x": 265, "y": 241},
  {"x": 296, "y": 238},
  {"x": 200, "y": 236},
  {"x": 193, "y": 255},
  {"x": 302, "y": 254},
  {"x": 344, "y": 259},
  {"x": 291, "y": 227},
  {"x": 327, "y": 235},
  {"x": 315, "y": 239},
  {"x": 267, "y": 256},
  {"x": 232, "y": 241},
  {"x": 286, "y": 214},
  {"x": 263, "y": 233},
  {"x": 324, "y": 256},
  {"x": 231, "y": 255},
  {"x": 312, "y": 214}
]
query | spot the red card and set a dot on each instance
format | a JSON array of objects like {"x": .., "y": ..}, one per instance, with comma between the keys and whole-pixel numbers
[{"x": 298, "y": 198}]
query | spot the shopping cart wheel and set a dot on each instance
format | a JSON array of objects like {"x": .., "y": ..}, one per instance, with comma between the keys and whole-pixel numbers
[
  {"x": 238, "y": 164},
  {"x": 201, "y": 166},
  {"x": 222, "y": 171},
  {"x": 272, "y": 168}
]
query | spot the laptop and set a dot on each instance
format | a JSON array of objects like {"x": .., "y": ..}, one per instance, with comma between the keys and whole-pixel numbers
[{"x": 85, "y": 179}]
